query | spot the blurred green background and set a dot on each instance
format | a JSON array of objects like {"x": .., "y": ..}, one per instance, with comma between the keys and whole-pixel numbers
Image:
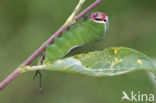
[{"x": 26, "y": 24}]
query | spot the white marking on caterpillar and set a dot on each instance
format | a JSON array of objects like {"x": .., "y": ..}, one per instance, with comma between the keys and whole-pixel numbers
[{"x": 71, "y": 49}]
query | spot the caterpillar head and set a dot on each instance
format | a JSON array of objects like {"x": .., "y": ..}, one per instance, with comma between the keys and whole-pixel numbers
[{"x": 100, "y": 18}]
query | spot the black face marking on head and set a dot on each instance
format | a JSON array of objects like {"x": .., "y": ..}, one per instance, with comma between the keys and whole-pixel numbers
[{"x": 98, "y": 16}]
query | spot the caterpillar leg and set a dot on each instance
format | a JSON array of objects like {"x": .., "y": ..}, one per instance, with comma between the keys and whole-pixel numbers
[
  {"x": 40, "y": 62},
  {"x": 68, "y": 28},
  {"x": 41, "y": 90},
  {"x": 86, "y": 16},
  {"x": 36, "y": 73},
  {"x": 40, "y": 84}
]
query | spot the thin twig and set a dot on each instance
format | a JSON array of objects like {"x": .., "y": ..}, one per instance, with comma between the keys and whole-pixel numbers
[
  {"x": 71, "y": 18},
  {"x": 17, "y": 72}
]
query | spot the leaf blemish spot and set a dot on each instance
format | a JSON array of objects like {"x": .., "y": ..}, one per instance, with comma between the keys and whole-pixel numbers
[
  {"x": 119, "y": 73},
  {"x": 59, "y": 62},
  {"x": 79, "y": 56},
  {"x": 117, "y": 60},
  {"x": 78, "y": 63},
  {"x": 112, "y": 64},
  {"x": 115, "y": 51},
  {"x": 139, "y": 61}
]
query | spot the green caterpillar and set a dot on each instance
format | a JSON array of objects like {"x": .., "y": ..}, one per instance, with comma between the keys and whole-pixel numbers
[{"x": 80, "y": 34}]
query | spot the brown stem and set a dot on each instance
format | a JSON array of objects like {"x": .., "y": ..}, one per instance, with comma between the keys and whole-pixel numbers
[{"x": 17, "y": 72}]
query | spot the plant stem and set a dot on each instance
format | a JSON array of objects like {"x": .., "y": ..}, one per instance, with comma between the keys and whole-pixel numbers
[
  {"x": 71, "y": 18},
  {"x": 33, "y": 68},
  {"x": 17, "y": 72}
]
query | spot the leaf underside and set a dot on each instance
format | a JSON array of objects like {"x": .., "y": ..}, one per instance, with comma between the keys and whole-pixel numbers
[{"x": 109, "y": 62}]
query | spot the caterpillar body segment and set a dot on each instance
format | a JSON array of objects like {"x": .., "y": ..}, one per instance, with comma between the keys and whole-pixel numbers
[{"x": 80, "y": 34}]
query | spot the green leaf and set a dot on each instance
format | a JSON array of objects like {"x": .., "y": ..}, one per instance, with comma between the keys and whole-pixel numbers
[{"x": 109, "y": 62}]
